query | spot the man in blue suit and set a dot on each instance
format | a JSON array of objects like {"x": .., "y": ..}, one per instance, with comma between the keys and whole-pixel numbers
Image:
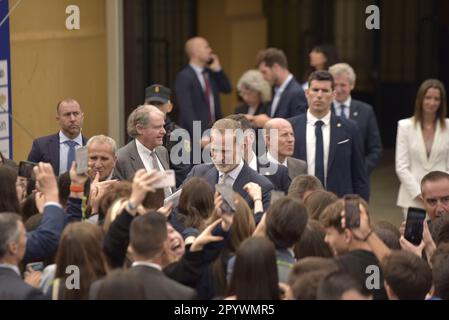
[
  {"x": 59, "y": 149},
  {"x": 358, "y": 111},
  {"x": 288, "y": 99},
  {"x": 330, "y": 144},
  {"x": 228, "y": 166},
  {"x": 198, "y": 86}
]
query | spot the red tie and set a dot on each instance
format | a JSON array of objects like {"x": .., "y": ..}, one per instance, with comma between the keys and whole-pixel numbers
[{"x": 207, "y": 92}]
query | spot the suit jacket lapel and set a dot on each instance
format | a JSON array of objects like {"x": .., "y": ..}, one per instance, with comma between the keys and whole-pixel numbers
[
  {"x": 212, "y": 176},
  {"x": 241, "y": 179},
  {"x": 302, "y": 134},
  {"x": 162, "y": 158},
  {"x": 353, "y": 110},
  {"x": 54, "y": 151},
  {"x": 283, "y": 97},
  {"x": 136, "y": 161},
  {"x": 197, "y": 83},
  {"x": 292, "y": 168},
  {"x": 333, "y": 108},
  {"x": 336, "y": 136}
]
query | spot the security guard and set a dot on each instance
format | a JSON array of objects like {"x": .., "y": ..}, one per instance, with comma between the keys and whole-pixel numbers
[{"x": 159, "y": 96}]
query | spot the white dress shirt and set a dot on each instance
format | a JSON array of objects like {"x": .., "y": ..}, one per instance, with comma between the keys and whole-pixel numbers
[
  {"x": 147, "y": 264},
  {"x": 64, "y": 150},
  {"x": 347, "y": 103},
  {"x": 253, "y": 162},
  {"x": 199, "y": 74},
  {"x": 145, "y": 156},
  {"x": 278, "y": 93},
  {"x": 274, "y": 160},
  {"x": 311, "y": 141},
  {"x": 231, "y": 175}
]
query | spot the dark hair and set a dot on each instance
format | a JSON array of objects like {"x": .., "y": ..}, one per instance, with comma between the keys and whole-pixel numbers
[
  {"x": 8, "y": 198},
  {"x": 286, "y": 220},
  {"x": 302, "y": 183},
  {"x": 121, "y": 189},
  {"x": 9, "y": 230},
  {"x": 388, "y": 233},
  {"x": 331, "y": 216},
  {"x": 121, "y": 285},
  {"x": 28, "y": 207},
  {"x": 329, "y": 52},
  {"x": 196, "y": 203},
  {"x": 312, "y": 242},
  {"x": 64, "y": 182},
  {"x": 434, "y": 176},
  {"x": 442, "y": 110},
  {"x": 317, "y": 201},
  {"x": 322, "y": 75},
  {"x": 148, "y": 233},
  {"x": 255, "y": 253},
  {"x": 306, "y": 286},
  {"x": 440, "y": 274},
  {"x": 335, "y": 284},
  {"x": 271, "y": 56},
  {"x": 443, "y": 232},
  {"x": 81, "y": 244},
  {"x": 409, "y": 277}
]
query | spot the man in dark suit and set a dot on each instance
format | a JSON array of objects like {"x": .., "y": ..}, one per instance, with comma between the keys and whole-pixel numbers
[
  {"x": 278, "y": 175},
  {"x": 147, "y": 236},
  {"x": 145, "y": 151},
  {"x": 59, "y": 149},
  {"x": 198, "y": 86},
  {"x": 280, "y": 141},
  {"x": 330, "y": 144},
  {"x": 288, "y": 99},
  {"x": 228, "y": 166},
  {"x": 361, "y": 112},
  {"x": 12, "y": 249}
]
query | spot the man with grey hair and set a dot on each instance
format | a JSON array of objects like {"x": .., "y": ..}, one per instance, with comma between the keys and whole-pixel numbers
[
  {"x": 13, "y": 241},
  {"x": 228, "y": 166},
  {"x": 101, "y": 151},
  {"x": 358, "y": 111},
  {"x": 146, "y": 126}
]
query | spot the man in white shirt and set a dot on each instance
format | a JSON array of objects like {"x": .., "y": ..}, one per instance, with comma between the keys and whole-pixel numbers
[
  {"x": 330, "y": 144},
  {"x": 289, "y": 99},
  {"x": 59, "y": 149},
  {"x": 146, "y": 126}
]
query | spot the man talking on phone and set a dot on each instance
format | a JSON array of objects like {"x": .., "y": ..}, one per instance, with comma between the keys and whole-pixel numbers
[{"x": 198, "y": 86}]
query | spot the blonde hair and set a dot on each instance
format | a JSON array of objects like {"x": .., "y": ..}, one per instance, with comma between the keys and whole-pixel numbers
[
  {"x": 253, "y": 80},
  {"x": 343, "y": 68}
]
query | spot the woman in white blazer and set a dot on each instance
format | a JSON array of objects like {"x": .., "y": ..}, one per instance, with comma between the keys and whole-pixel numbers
[{"x": 422, "y": 143}]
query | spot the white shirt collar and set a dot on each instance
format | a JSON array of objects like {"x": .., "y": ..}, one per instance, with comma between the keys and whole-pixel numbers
[
  {"x": 253, "y": 163},
  {"x": 274, "y": 160},
  {"x": 311, "y": 119},
  {"x": 198, "y": 70},
  {"x": 147, "y": 264},
  {"x": 63, "y": 138},
  {"x": 346, "y": 103},
  {"x": 10, "y": 266},
  {"x": 234, "y": 173},
  {"x": 285, "y": 84},
  {"x": 142, "y": 149}
]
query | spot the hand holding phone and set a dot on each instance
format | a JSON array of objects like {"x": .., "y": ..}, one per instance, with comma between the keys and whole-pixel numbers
[
  {"x": 352, "y": 211},
  {"x": 227, "y": 193},
  {"x": 173, "y": 199},
  {"x": 81, "y": 158},
  {"x": 167, "y": 180},
  {"x": 414, "y": 225}
]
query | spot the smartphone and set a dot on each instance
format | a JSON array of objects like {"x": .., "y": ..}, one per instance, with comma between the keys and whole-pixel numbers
[
  {"x": 26, "y": 169},
  {"x": 276, "y": 195},
  {"x": 82, "y": 160},
  {"x": 228, "y": 197},
  {"x": 35, "y": 266},
  {"x": 414, "y": 225},
  {"x": 210, "y": 61},
  {"x": 352, "y": 211},
  {"x": 168, "y": 180},
  {"x": 173, "y": 199}
]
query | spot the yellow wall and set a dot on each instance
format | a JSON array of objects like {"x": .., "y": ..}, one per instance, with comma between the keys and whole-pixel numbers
[
  {"x": 236, "y": 31},
  {"x": 49, "y": 62}
]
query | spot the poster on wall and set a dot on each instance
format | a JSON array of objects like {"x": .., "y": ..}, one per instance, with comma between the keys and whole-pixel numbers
[{"x": 5, "y": 83}]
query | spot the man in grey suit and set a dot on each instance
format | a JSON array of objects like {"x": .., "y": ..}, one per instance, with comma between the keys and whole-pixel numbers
[
  {"x": 358, "y": 111},
  {"x": 146, "y": 125},
  {"x": 280, "y": 141}
]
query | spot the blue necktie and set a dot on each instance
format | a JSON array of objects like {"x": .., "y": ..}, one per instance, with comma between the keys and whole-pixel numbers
[
  {"x": 319, "y": 152},
  {"x": 71, "y": 154},
  {"x": 343, "y": 111}
]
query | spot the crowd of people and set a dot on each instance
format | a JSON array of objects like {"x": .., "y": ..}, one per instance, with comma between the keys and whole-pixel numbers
[{"x": 257, "y": 209}]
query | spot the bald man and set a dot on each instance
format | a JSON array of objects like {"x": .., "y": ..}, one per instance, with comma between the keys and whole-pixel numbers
[
  {"x": 198, "y": 86},
  {"x": 280, "y": 141}
]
